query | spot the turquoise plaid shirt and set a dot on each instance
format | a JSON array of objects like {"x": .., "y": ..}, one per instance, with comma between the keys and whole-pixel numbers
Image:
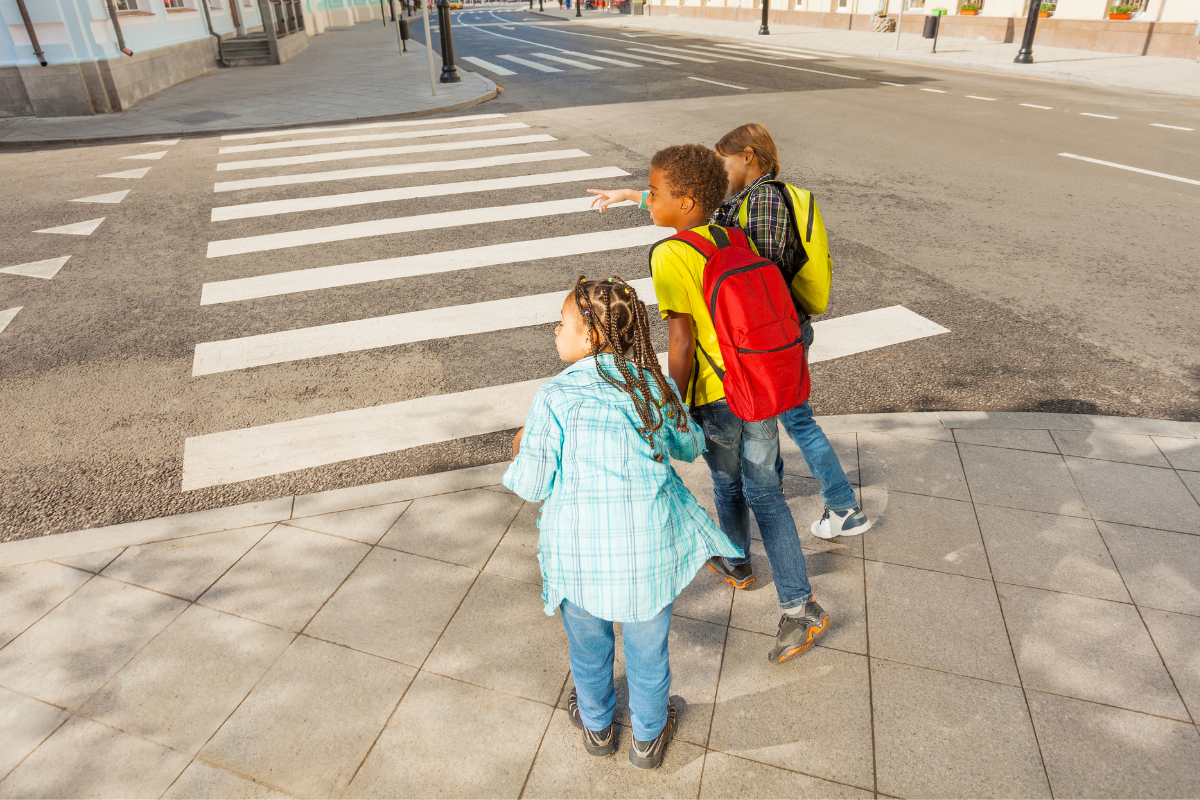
[{"x": 621, "y": 536}]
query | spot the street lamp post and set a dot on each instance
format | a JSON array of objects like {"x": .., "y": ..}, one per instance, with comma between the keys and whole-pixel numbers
[
  {"x": 579, "y": 8},
  {"x": 764, "y": 30},
  {"x": 449, "y": 71},
  {"x": 1025, "y": 54}
]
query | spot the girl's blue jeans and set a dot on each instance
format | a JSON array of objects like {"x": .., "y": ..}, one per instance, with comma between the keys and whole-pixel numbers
[
  {"x": 647, "y": 669},
  {"x": 816, "y": 449}
]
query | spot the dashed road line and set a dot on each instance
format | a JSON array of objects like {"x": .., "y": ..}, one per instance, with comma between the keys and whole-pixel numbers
[
  {"x": 1098, "y": 116},
  {"x": 1132, "y": 169},
  {"x": 111, "y": 197},
  {"x": 938, "y": 91},
  {"x": 85, "y": 228},
  {"x": 6, "y": 316},
  {"x": 1172, "y": 127},
  {"x": 716, "y": 83},
  {"x": 149, "y": 156},
  {"x": 129, "y": 173},
  {"x": 1031, "y": 105},
  {"x": 977, "y": 97},
  {"x": 889, "y": 83},
  {"x": 46, "y": 269}
]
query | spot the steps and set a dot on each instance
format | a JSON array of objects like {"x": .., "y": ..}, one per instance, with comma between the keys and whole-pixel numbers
[{"x": 251, "y": 50}]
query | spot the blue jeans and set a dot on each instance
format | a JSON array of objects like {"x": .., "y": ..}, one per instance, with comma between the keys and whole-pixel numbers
[
  {"x": 647, "y": 669},
  {"x": 816, "y": 449},
  {"x": 747, "y": 473}
]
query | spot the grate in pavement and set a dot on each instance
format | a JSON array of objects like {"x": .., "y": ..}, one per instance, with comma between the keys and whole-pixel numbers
[{"x": 201, "y": 117}]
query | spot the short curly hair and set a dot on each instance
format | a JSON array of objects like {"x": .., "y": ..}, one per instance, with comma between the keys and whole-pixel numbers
[{"x": 694, "y": 171}]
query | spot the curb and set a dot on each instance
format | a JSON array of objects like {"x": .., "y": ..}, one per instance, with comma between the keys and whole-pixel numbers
[{"x": 38, "y": 144}]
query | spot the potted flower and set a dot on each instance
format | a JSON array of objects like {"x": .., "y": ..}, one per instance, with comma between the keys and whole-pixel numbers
[
  {"x": 1046, "y": 10},
  {"x": 937, "y": 12},
  {"x": 969, "y": 9},
  {"x": 1120, "y": 12}
]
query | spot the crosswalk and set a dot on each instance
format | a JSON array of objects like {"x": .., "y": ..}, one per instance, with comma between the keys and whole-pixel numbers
[{"x": 493, "y": 234}]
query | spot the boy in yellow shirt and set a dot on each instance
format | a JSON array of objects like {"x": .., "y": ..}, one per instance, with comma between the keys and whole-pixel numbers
[{"x": 687, "y": 183}]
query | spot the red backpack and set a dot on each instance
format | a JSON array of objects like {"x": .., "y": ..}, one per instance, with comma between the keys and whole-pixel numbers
[{"x": 765, "y": 372}]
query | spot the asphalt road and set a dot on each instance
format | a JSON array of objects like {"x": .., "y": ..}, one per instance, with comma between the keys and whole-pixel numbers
[{"x": 1066, "y": 285}]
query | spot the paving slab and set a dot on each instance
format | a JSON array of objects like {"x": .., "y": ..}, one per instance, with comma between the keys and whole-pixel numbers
[
  {"x": 201, "y": 780},
  {"x": 730, "y": 776},
  {"x": 1177, "y": 637},
  {"x": 1180, "y": 453},
  {"x": 1130, "y": 448},
  {"x": 928, "y": 532},
  {"x": 29, "y": 591},
  {"x": 1093, "y": 750},
  {"x": 367, "y": 525},
  {"x": 184, "y": 567},
  {"x": 24, "y": 724},
  {"x": 311, "y": 720},
  {"x": 845, "y": 445},
  {"x": 1136, "y": 495},
  {"x": 1009, "y": 438},
  {"x": 916, "y": 466},
  {"x": 1161, "y": 568},
  {"x": 461, "y": 527},
  {"x": 516, "y": 555},
  {"x": 91, "y": 562},
  {"x": 1020, "y": 479}
]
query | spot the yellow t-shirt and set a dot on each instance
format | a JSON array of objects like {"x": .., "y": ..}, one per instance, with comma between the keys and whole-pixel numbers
[{"x": 678, "y": 273}]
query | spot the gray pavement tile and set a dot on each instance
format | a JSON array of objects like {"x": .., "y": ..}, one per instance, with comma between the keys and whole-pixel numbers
[
  {"x": 730, "y": 776},
  {"x": 451, "y": 739},
  {"x": 708, "y": 597},
  {"x": 69, "y": 653},
  {"x": 803, "y": 497},
  {"x": 1136, "y": 495},
  {"x": 500, "y": 639},
  {"x": 1161, "y": 569},
  {"x": 1063, "y": 554},
  {"x": 1177, "y": 637},
  {"x": 845, "y": 445},
  {"x": 1137, "y": 425},
  {"x": 922, "y": 424},
  {"x": 29, "y": 591},
  {"x": 945, "y": 622},
  {"x": 394, "y": 605},
  {"x": 461, "y": 527},
  {"x": 286, "y": 577},
  {"x": 918, "y": 466},
  {"x": 928, "y": 532},
  {"x": 837, "y": 583},
  {"x": 1000, "y": 420},
  {"x": 1181, "y": 453},
  {"x": 184, "y": 567},
  {"x": 1092, "y": 750},
  {"x": 91, "y": 562},
  {"x": 564, "y": 769},
  {"x": 367, "y": 525},
  {"x": 182, "y": 685},
  {"x": 200, "y": 780},
  {"x": 941, "y": 735},
  {"x": 516, "y": 556},
  {"x": 811, "y": 714},
  {"x": 1129, "y": 448},
  {"x": 310, "y": 721},
  {"x": 24, "y": 724},
  {"x": 1089, "y": 649},
  {"x": 1021, "y": 479},
  {"x": 86, "y": 759},
  {"x": 374, "y": 494},
  {"x": 1010, "y": 438},
  {"x": 1192, "y": 481}
]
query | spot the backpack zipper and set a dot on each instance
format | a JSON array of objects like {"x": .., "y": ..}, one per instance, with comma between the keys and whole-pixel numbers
[
  {"x": 799, "y": 340},
  {"x": 712, "y": 310}
]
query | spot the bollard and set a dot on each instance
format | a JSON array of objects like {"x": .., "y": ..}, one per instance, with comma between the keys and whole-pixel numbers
[{"x": 449, "y": 71}]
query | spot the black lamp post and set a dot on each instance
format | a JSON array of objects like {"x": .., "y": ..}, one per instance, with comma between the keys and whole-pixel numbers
[
  {"x": 579, "y": 8},
  {"x": 764, "y": 30},
  {"x": 540, "y": 6},
  {"x": 449, "y": 71},
  {"x": 1025, "y": 54}
]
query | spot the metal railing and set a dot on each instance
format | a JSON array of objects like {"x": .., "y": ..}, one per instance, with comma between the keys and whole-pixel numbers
[{"x": 288, "y": 17}]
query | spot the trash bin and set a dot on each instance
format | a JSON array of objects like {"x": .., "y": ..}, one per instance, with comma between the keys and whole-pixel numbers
[
  {"x": 931, "y": 26},
  {"x": 404, "y": 29}
]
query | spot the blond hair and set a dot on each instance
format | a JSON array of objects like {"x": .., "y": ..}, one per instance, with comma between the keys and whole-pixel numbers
[{"x": 758, "y": 139}]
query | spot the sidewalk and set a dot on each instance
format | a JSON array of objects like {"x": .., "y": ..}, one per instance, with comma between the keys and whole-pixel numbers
[
  {"x": 1174, "y": 76},
  {"x": 1023, "y": 618},
  {"x": 345, "y": 75}
]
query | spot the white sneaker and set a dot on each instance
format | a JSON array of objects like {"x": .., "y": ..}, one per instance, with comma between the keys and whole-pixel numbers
[{"x": 833, "y": 524}]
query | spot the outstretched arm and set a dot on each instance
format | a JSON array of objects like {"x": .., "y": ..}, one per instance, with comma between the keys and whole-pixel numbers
[{"x": 606, "y": 197}]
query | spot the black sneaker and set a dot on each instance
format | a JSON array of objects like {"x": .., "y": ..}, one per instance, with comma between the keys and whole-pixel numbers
[
  {"x": 648, "y": 755},
  {"x": 797, "y": 634},
  {"x": 601, "y": 743},
  {"x": 739, "y": 575}
]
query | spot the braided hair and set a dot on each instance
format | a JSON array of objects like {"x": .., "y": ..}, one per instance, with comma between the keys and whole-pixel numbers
[{"x": 615, "y": 318}]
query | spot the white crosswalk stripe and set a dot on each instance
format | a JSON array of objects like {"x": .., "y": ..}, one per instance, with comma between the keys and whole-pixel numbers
[
  {"x": 528, "y": 63},
  {"x": 376, "y": 152},
  {"x": 603, "y": 59},
  {"x": 695, "y": 52},
  {"x": 676, "y": 56},
  {"x": 639, "y": 58},
  {"x": 369, "y": 137},
  {"x": 406, "y": 123},
  {"x": 573, "y": 62},
  {"x": 495, "y": 69}
]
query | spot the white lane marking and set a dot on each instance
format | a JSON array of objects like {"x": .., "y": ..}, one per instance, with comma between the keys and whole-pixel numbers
[
  {"x": 384, "y": 227},
  {"x": 296, "y": 204},
  {"x": 717, "y": 83},
  {"x": 639, "y": 58},
  {"x": 571, "y": 61},
  {"x": 395, "y": 329},
  {"x": 76, "y": 228},
  {"x": 618, "y": 62},
  {"x": 977, "y": 97},
  {"x": 370, "y": 137},
  {"x": 312, "y": 279},
  {"x": 360, "y": 126},
  {"x": 489, "y": 66},
  {"x": 533, "y": 64},
  {"x": 38, "y": 269},
  {"x": 1172, "y": 127},
  {"x": 743, "y": 48},
  {"x": 111, "y": 197},
  {"x": 1098, "y": 116},
  {"x": 858, "y": 333},
  {"x": 696, "y": 59},
  {"x": 375, "y": 152},
  {"x": 1031, "y": 105},
  {"x": 149, "y": 156},
  {"x": 766, "y": 52},
  {"x": 6, "y": 316},
  {"x": 162, "y": 142},
  {"x": 241, "y": 455},
  {"x": 939, "y": 91},
  {"x": 819, "y": 53},
  {"x": 889, "y": 83},
  {"x": 1132, "y": 169},
  {"x": 129, "y": 173},
  {"x": 398, "y": 169},
  {"x": 721, "y": 56}
]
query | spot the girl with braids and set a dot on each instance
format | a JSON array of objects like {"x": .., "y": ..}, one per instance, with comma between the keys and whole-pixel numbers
[{"x": 621, "y": 536}]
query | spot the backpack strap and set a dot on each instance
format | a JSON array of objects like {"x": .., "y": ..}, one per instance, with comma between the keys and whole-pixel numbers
[{"x": 698, "y": 243}]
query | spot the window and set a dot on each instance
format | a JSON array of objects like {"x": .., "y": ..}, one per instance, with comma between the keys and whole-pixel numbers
[
  {"x": 174, "y": 5},
  {"x": 126, "y": 5}
]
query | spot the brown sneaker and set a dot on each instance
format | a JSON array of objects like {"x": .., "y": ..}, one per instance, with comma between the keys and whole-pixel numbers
[
  {"x": 797, "y": 634},
  {"x": 648, "y": 755},
  {"x": 597, "y": 743},
  {"x": 737, "y": 575}
]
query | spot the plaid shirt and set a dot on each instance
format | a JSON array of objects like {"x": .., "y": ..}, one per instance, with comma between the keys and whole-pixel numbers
[
  {"x": 621, "y": 536},
  {"x": 767, "y": 223}
]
